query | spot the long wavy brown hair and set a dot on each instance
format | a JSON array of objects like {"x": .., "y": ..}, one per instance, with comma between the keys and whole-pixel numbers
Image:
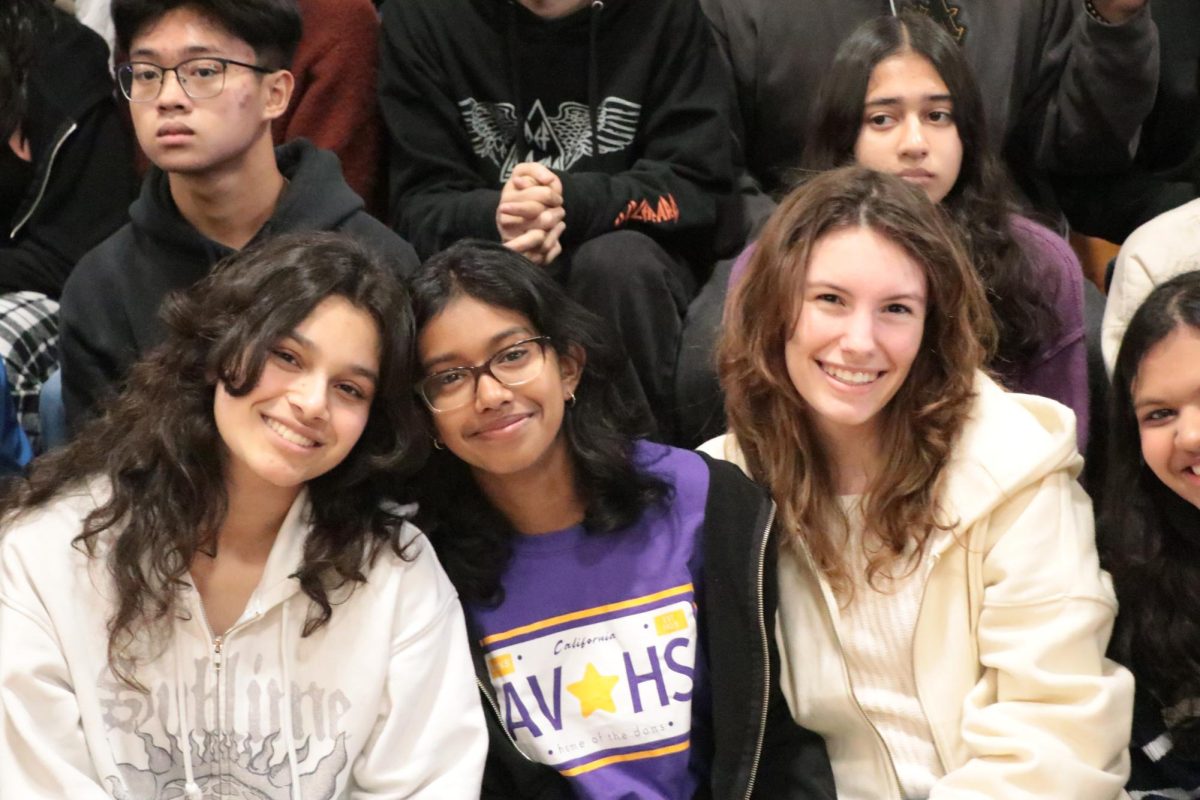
[
  {"x": 158, "y": 450},
  {"x": 775, "y": 427},
  {"x": 982, "y": 202}
]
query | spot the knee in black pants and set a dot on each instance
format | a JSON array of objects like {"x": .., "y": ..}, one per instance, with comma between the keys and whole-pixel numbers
[{"x": 642, "y": 290}]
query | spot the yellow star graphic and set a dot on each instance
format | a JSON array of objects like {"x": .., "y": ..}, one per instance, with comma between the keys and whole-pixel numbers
[{"x": 594, "y": 692}]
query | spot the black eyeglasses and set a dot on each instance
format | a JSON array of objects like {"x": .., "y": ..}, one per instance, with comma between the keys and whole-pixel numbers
[
  {"x": 513, "y": 365},
  {"x": 200, "y": 78}
]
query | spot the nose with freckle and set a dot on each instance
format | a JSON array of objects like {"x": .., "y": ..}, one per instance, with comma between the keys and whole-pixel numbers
[
  {"x": 307, "y": 395},
  {"x": 914, "y": 143}
]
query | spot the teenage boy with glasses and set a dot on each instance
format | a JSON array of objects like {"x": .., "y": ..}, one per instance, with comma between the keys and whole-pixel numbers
[{"x": 204, "y": 78}]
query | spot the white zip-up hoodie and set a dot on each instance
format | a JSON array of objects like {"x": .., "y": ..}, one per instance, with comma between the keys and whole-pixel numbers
[
  {"x": 378, "y": 703},
  {"x": 1008, "y": 650}
]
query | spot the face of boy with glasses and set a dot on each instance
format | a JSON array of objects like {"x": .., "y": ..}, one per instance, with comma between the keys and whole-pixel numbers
[
  {"x": 198, "y": 99},
  {"x": 496, "y": 389}
]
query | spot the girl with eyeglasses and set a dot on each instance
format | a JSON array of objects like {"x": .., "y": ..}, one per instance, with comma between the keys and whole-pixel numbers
[
  {"x": 578, "y": 549},
  {"x": 1150, "y": 530},
  {"x": 213, "y": 591},
  {"x": 942, "y": 614}
]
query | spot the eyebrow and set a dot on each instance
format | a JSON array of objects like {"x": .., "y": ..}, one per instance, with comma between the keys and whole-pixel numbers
[
  {"x": 191, "y": 50},
  {"x": 356, "y": 369},
  {"x": 446, "y": 358},
  {"x": 1149, "y": 401},
  {"x": 915, "y": 298},
  {"x": 895, "y": 101}
]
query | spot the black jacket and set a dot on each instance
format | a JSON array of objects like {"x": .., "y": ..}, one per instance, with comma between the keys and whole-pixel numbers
[
  {"x": 110, "y": 305},
  {"x": 749, "y": 757},
  {"x": 82, "y": 161},
  {"x": 468, "y": 88}
]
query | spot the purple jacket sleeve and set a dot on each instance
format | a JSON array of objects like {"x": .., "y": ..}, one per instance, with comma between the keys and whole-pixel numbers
[{"x": 1060, "y": 370}]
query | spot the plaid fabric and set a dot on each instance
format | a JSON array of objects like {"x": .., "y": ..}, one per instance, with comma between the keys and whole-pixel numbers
[{"x": 29, "y": 346}]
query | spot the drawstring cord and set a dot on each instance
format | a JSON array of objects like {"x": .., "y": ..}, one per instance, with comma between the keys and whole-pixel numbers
[
  {"x": 285, "y": 661},
  {"x": 190, "y": 789}
]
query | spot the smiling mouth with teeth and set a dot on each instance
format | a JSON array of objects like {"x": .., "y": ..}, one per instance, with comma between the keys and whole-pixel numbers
[
  {"x": 288, "y": 434},
  {"x": 850, "y": 376}
]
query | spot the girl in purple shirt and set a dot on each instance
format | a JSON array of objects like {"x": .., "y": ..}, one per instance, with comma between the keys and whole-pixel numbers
[{"x": 577, "y": 548}]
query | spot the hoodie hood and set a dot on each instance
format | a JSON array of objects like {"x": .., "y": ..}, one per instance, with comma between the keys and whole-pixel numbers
[
  {"x": 987, "y": 467},
  {"x": 59, "y": 97},
  {"x": 316, "y": 198}
]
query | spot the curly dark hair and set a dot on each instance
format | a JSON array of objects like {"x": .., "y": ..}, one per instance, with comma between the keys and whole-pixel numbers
[
  {"x": 158, "y": 447},
  {"x": 1148, "y": 535},
  {"x": 472, "y": 539},
  {"x": 982, "y": 200}
]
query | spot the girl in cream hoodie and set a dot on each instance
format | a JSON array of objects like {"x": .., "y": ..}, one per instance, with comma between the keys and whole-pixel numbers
[
  {"x": 207, "y": 594},
  {"x": 942, "y": 617}
]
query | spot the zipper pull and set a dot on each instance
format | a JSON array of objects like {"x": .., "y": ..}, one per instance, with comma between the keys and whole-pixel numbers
[{"x": 217, "y": 654}]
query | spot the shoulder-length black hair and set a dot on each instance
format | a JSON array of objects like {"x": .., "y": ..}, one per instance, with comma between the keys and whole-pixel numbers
[
  {"x": 158, "y": 448},
  {"x": 982, "y": 200},
  {"x": 1149, "y": 535},
  {"x": 473, "y": 540}
]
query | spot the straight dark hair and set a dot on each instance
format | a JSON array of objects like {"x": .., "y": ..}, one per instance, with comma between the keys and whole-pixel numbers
[
  {"x": 473, "y": 540},
  {"x": 982, "y": 200},
  {"x": 272, "y": 27},
  {"x": 1150, "y": 536},
  {"x": 158, "y": 450}
]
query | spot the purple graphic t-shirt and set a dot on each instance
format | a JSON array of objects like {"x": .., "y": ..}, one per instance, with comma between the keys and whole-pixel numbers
[{"x": 594, "y": 654}]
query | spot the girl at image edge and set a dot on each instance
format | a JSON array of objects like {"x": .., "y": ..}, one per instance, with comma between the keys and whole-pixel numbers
[
  {"x": 1149, "y": 532},
  {"x": 209, "y": 591}
]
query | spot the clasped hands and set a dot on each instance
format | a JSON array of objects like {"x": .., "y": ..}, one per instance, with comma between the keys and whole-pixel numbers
[{"x": 530, "y": 213}]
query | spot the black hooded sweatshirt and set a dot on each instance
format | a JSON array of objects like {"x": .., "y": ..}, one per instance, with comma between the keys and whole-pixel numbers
[
  {"x": 81, "y": 179},
  {"x": 468, "y": 88},
  {"x": 110, "y": 304}
]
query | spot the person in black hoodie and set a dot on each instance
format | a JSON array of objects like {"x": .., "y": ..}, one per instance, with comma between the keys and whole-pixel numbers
[
  {"x": 592, "y": 137},
  {"x": 205, "y": 80},
  {"x": 66, "y": 176}
]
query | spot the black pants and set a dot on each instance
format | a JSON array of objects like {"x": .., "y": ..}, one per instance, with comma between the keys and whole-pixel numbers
[{"x": 642, "y": 290}]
